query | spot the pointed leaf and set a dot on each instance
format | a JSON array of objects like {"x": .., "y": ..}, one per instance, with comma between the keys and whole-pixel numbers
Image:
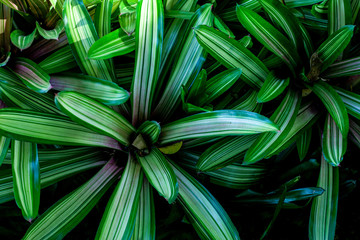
[
  {"x": 269, "y": 36},
  {"x": 49, "y": 129},
  {"x": 198, "y": 88},
  {"x": 333, "y": 104},
  {"x": 114, "y": 44},
  {"x": 216, "y": 124},
  {"x": 118, "y": 220},
  {"x": 53, "y": 33},
  {"x": 284, "y": 116},
  {"x": 219, "y": 24},
  {"x": 127, "y": 21},
  {"x": 95, "y": 116},
  {"x": 349, "y": 67},
  {"x": 351, "y": 101},
  {"x": 333, "y": 143},
  {"x": 205, "y": 213},
  {"x": 32, "y": 75},
  {"x": 247, "y": 102},
  {"x": 26, "y": 178},
  {"x": 324, "y": 208},
  {"x": 272, "y": 87},
  {"x": 232, "y": 54},
  {"x": 21, "y": 40},
  {"x": 160, "y": 174},
  {"x": 303, "y": 143},
  {"x": 73, "y": 208},
  {"x": 81, "y": 35},
  {"x": 103, "y": 91}
]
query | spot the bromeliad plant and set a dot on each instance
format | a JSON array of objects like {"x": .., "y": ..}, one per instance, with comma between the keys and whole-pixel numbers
[{"x": 65, "y": 109}]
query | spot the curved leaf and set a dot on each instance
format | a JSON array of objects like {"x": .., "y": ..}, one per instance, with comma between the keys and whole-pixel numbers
[
  {"x": 351, "y": 101},
  {"x": 349, "y": 67},
  {"x": 102, "y": 18},
  {"x": 59, "y": 61},
  {"x": 150, "y": 130},
  {"x": 272, "y": 87},
  {"x": 22, "y": 41},
  {"x": 339, "y": 14},
  {"x": 95, "y": 116},
  {"x": 51, "y": 34},
  {"x": 216, "y": 124}
]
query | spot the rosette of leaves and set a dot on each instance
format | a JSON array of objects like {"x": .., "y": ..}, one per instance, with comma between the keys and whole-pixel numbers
[{"x": 157, "y": 91}]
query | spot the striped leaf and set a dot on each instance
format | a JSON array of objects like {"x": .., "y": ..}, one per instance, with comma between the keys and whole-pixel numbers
[
  {"x": 324, "y": 208},
  {"x": 149, "y": 41},
  {"x": 150, "y": 130},
  {"x": 281, "y": 16},
  {"x": 5, "y": 28},
  {"x": 118, "y": 220},
  {"x": 179, "y": 14},
  {"x": 216, "y": 124},
  {"x": 310, "y": 21},
  {"x": 101, "y": 90},
  {"x": 235, "y": 175},
  {"x": 58, "y": 6},
  {"x": 73, "y": 208},
  {"x": 332, "y": 47},
  {"x": 21, "y": 40},
  {"x": 53, "y": 33},
  {"x": 198, "y": 88},
  {"x": 333, "y": 103},
  {"x": 284, "y": 117},
  {"x": 4, "y": 146},
  {"x": 49, "y": 129},
  {"x": 232, "y": 54},
  {"x": 221, "y": 25},
  {"x": 307, "y": 116},
  {"x": 160, "y": 174},
  {"x": 32, "y": 75},
  {"x": 95, "y": 116},
  {"x": 102, "y": 18},
  {"x": 333, "y": 143},
  {"x": 26, "y": 178},
  {"x": 114, "y": 44},
  {"x": 272, "y": 87},
  {"x": 339, "y": 14},
  {"x": 269, "y": 36},
  {"x": 205, "y": 213},
  {"x": 127, "y": 18},
  {"x": 349, "y": 67},
  {"x": 354, "y": 133},
  {"x": 224, "y": 152},
  {"x": 188, "y": 64},
  {"x": 145, "y": 217},
  {"x": 59, "y": 61},
  {"x": 220, "y": 83},
  {"x": 303, "y": 143},
  {"x": 22, "y": 97},
  {"x": 307, "y": 42},
  {"x": 351, "y": 101},
  {"x": 81, "y": 35},
  {"x": 247, "y": 102}
]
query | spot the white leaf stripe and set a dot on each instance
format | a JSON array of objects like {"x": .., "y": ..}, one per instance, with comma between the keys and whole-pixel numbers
[
  {"x": 160, "y": 174},
  {"x": 51, "y": 34},
  {"x": 59, "y": 61},
  {"x": 351, "y": 101},
  {"x": 4, "y": 146},
  {"x": 303, "y": 143},
  {"x": 349, "y": 67},
  {"x": 272, "y": 87},
  {"x": 22, "y": 41}
]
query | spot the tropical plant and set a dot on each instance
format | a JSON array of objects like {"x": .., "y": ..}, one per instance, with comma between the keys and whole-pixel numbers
[{"x": 124, "y": 97}]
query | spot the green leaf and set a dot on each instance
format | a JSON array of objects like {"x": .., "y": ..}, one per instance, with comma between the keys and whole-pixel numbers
[
  {"x": 5, "y": 28},
  {"x": 21, "y": 40},
  {"x": 32, "y": 75},
  {"x": 219, "y": 24},
  {"x": 333, "y": 143},
  {"x": 307, "y": 42},
  {"x": 81, "y": 35},
  {"x": 114, "y": 44},
  {"x": 339, "y": 14},
  {"x": 26, "y": 178},
  {"x": 220, "y": 83},
  {"x": 354, "y": 133},
  {"x": 118, "y": 220},
  {"x": 269, "y": 36},
  {"x": 160, "y": 174},
  {"x": 198, "y": 88},
  {"x": 272, "y": 87},
  {"x": 73, "y": 208},
  {"x": 284, "y": 117},
  {"x": 351, "y": 101},
  {"x": 51, "y": 34},
  {"x": 59, "y": 61},
  {"x": 349, "y": 67},
  {"x": 23, "y": 97},
  {"x": 187, "y": 66},
  {"x": 232, "y": 54},
  {"x": 49, "y": 129},
  {"x": 224, "y": 152},
  {"x": 127, "y": 18},
  {"x": 333, "y": 103},
  {"x": 4, "y": 146},
  {"x": 145, "y": 217},
  {"x": 216, "y": 124},
  {"x": 303, "y": 143},
  {"x": 101, "y": 90},
  {"x": 9, "y": 77},
  {"x": 333, "y": 46},
  {"x": 102, "y": 18},
  {"x": 95, "y": 116},
  {"x": 205, "y": 213},
  {"x": 179, "y": 14},
  {"x": 58, "y": 6},
  {"x": 150, "y": 130},
  {"x": 324, "y": 208},
  {"x": 149, "y": 41},
  {"x": 247, "y": 102}
]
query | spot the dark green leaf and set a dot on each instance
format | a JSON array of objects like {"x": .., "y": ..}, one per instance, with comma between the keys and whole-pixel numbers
[{"x": 272, "y": 87}]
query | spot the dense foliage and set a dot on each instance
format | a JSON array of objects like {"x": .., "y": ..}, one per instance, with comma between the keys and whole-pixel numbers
[{"x": 126, "y": 119}]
